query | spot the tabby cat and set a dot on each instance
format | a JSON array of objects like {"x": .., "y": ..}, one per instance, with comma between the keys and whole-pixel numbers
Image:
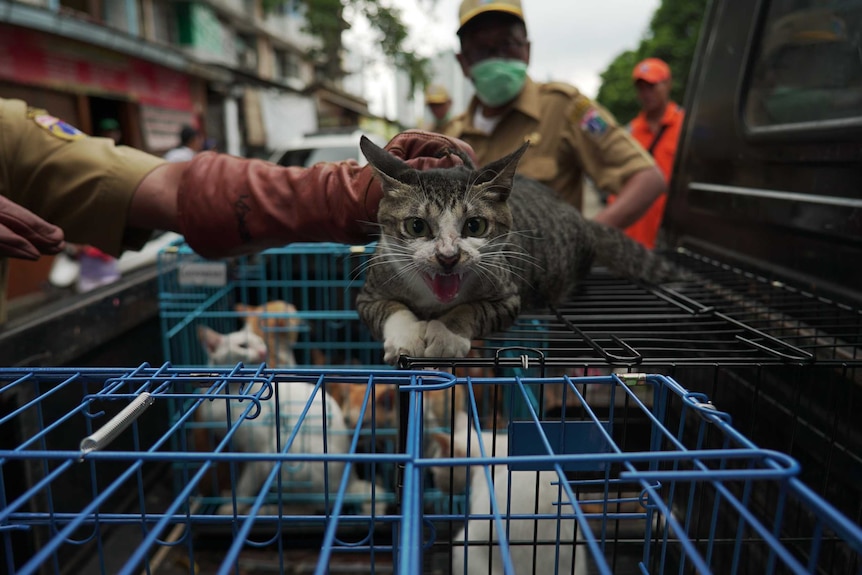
[{"x": 462, "y": 251}]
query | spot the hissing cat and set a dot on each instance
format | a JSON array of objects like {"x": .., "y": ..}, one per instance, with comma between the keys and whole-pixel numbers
[
  {"x": 258, "y": 435},
  {"x": 520, "y": 498},
  {"x": 461, "y": 251}
]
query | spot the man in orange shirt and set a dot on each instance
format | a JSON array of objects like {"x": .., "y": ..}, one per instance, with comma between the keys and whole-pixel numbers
[{"x": 657, "y": 129}]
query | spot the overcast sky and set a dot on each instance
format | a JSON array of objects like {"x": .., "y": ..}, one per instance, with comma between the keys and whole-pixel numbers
[{"x": 572, "y": 40}]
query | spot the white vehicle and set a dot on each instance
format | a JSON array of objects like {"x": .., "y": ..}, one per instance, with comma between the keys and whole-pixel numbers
[{"x": 325, "y": 147}]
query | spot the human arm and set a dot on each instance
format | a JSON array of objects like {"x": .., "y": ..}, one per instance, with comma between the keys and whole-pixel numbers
[
  {"x": 615, "y": 162},
  {"x": 113, "y": 196},
  {"x": 227, "y": 205},
  {"x": 25, "y": 235},
  {"x": 633, "y": 199}
]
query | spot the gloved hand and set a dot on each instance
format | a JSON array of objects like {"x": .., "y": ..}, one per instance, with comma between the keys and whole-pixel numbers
[
  {"x": 25, "y": 235},
  {"x": 228, "y": 206}
]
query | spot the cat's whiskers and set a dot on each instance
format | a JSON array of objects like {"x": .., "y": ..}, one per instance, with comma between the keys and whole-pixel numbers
[
  {"x": 379, "y": 258},
  {"x": 514, "y": 255},
  {"x": 412, "y": 269},
  {"x": 506, "y": 269},
  {"x": 529, "y": 234},
  {"x": 495, "y": 248}
]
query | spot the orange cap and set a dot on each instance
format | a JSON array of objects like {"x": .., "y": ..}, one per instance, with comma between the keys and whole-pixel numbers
[{"x": 651, "y": 70}]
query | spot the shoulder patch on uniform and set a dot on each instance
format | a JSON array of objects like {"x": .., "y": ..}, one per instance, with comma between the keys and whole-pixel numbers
[
  {"x": 57, "y": 127},
  {"x": 580, "y": 107},
  {"x": 593, "y": 123}
]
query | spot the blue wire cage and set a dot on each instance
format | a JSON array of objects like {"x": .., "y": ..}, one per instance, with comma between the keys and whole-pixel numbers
[
  {"x": 635, "y": 475},
  {"x": 320, "y": 280}
]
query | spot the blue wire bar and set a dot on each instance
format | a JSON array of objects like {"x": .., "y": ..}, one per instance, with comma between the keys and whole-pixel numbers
[{"x": 247, "y": 468}]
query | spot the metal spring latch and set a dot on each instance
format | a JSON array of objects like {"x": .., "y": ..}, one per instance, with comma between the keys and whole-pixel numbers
[{"x": 108, "y": 432}]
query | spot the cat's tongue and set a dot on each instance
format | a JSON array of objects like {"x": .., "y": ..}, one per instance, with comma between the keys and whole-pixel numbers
[{"x": 444, "y": 286}]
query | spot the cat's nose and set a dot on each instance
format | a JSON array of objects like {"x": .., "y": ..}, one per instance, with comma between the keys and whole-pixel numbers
[{"x": 448, "y": 262}]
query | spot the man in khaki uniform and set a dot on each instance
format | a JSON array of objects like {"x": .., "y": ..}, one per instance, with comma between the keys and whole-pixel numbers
[
  {"x": 112, "y": 196},
  {"x": 439, "y": 103},
  {"x": 570, "y": 135}
]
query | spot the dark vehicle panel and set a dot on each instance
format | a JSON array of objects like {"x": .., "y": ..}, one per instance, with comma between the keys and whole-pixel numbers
[{"x": 769, "y": 169}]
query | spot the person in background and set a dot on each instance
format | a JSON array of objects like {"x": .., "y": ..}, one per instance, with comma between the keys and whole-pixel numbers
[
  {"x": 439, "y": 103},
  {"x": 191, "y": 142},
  {"x": 109, "y": 128},
  {"x": 656, "y": 128},
  {"x": 570, "y": 135},
  {"x": 57, "y": 184}
]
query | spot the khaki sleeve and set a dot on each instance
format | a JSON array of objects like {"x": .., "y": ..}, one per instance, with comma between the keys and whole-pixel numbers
[
  {"x": 82, "y": 184},
  {"x": 608, "y": 153}
]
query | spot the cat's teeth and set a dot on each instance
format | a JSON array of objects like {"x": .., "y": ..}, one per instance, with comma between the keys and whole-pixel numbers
[{"x": 445, "y": 287}]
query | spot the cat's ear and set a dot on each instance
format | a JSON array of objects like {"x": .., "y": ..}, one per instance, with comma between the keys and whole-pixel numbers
[
  {"x": 394, "y": 174},
  {"x": 499, "y": 176},
  {"x": 209, "y": 338}
]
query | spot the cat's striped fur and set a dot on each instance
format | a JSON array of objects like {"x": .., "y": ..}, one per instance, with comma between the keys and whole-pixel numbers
[{"x": 462, "y": 251}]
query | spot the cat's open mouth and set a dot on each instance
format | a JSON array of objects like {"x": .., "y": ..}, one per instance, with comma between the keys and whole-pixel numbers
[{"x": 444, "y": 286}]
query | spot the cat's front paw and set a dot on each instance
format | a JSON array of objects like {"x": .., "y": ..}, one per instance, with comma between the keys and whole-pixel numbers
[
  {"x": 440, "y": 341},
  {"x": 403, "y": 335}
]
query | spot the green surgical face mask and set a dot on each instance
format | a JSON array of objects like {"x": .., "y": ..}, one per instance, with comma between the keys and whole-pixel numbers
[{"x": 498, "y": 80}]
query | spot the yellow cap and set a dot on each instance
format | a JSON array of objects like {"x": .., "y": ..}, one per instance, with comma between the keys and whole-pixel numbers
[
  {"x": 436, "y": 94},
  {"x": 472, "y": 8}
]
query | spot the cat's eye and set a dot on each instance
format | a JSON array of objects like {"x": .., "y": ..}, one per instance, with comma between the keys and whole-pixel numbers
[
  {"x": 416, "y": 227},
  {"x": 475, "y": 227}
]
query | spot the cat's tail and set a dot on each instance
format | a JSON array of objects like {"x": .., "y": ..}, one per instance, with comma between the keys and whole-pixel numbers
[{"x": 626, "y": 257}]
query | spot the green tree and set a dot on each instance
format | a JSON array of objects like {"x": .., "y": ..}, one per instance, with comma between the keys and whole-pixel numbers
[
  {"x": 325, "y": 21},
  {"x": 672, "y": 36}
]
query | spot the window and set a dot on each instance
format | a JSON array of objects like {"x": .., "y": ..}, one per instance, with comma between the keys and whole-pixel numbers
[
  {"x": 808, "y": 65},
  {"x": 286, "y": 64},
  {"x": 246, "y": 51},
  {"x": 165, "y": 23}
]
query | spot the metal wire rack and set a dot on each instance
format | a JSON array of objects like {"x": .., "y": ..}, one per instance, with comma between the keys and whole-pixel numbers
[
  {"x": 82, "y": 490},
  {"x": 320, "y": 279},
  {"x": 785, "y": 362},
  {"x": 724, "y": 315}
]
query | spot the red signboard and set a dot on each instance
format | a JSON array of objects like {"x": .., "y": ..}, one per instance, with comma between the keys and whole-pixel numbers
[{"x": 33, "y": 58}]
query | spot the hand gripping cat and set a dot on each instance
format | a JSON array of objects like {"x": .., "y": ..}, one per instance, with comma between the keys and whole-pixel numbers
[{"x": 461, "y": 251}]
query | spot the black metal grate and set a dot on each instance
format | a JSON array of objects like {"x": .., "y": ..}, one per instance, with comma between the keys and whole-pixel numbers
[
  {"x": 786, "y": 363},
  {"x": 726, "y": 316}
]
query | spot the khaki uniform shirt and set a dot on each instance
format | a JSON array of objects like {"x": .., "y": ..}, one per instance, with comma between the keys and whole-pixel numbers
[
  {"x": 569, "y": 134},
  {"x": 83, "y": 185}
]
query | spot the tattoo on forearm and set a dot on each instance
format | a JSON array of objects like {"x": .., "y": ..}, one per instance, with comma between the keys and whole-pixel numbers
[{"x": 242, "y": 208}]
